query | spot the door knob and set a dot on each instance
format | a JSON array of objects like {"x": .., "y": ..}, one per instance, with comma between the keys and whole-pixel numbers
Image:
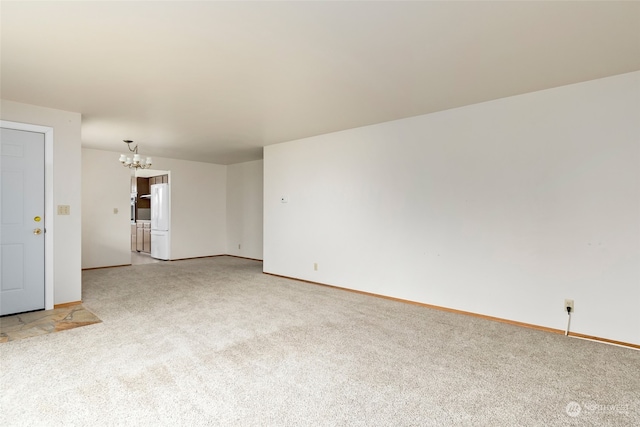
[{"x": 37, "y": 231}]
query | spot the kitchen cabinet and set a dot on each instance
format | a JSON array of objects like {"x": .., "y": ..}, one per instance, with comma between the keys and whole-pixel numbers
[
  {"x": 160, "y": 179},
  {"x": 143, "y": 237},
  {"x": 139, "y": 236},
  {"x": 146, "y": 238},
  {"x": 134, "y": 239}
]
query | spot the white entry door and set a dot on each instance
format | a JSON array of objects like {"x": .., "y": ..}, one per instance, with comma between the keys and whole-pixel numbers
[{"x": 22, "y": 219}]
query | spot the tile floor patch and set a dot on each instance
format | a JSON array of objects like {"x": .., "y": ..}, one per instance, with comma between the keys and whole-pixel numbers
[{"x": 26, "y": 325}]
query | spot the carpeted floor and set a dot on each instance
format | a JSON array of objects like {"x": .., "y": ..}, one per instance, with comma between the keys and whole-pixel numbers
[{"x": 215, "y": 342}]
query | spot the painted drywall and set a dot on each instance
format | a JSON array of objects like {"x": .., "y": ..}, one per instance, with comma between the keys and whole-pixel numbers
[
  {"x": 106, "y": 185},
  {"x": 503, "y": 208},
  {"x": 244, "y": 209},
  {"x": 66, "y": 231},
  {"x": 198, "y": 208}
]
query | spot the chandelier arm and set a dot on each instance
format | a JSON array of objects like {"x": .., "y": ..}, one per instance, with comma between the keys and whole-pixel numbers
[
  {"x": 136, "y": 162},
  {"x": 135, "y": 149}
]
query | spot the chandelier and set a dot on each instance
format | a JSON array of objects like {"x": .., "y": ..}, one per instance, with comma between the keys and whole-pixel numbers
[{"x": 136, "y": 162}]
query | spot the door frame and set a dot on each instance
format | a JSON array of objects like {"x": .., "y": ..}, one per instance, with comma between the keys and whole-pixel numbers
[{"x": 48, "y": 202}]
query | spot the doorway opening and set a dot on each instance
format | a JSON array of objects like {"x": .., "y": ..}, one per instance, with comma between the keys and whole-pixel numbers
[{"x": 142, "y": 181}]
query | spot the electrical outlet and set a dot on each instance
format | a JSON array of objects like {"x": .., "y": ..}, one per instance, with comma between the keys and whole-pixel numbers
[
  {"x": 568, "y": 303},
  {"x": 239, "y": 245},
  {"x": 315, "y": 266}
]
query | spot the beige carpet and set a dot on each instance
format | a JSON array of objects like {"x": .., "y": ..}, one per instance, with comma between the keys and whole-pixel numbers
[{"x": 215, "y": 342}]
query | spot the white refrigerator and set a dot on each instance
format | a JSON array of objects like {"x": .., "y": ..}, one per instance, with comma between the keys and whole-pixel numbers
[{"x": 160, "y": 221}]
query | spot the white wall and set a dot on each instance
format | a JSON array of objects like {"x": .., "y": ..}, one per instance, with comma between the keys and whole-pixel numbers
[
  {"x": 211, "y": 205},
  {"x": 244, "y": 209},
  {"x": 67, "y": 286},
  {"x": 106, "y": 185},
  {"x": 198, "y": 207},
  {"x": 503, "y": 208}
]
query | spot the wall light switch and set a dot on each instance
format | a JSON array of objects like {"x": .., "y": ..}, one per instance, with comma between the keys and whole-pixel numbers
[
  {"x": 284, "y": 199},
  {"x": 64, "y": 210}
]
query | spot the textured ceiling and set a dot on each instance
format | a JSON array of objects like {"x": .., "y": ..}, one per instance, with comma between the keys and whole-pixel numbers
[{"x": 217, "y": 81}]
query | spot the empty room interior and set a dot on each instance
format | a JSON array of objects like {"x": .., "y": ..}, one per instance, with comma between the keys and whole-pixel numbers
[{"x": 320, "y": 213}]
